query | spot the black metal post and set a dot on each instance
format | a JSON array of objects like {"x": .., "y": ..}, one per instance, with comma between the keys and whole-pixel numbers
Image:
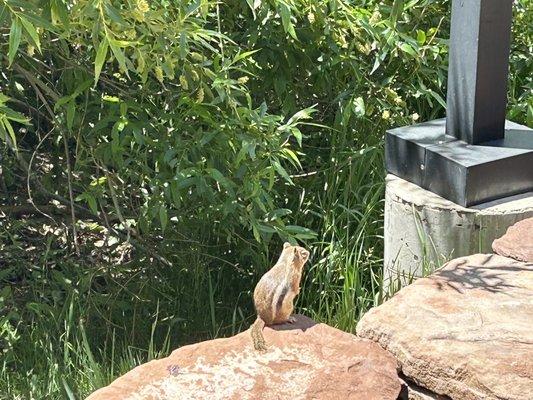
[
  {"x": 474, "y": 155},
  {"x": 478, "y": 69}
]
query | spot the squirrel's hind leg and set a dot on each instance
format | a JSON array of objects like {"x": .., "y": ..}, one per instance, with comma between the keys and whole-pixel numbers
[{"x": 285, "y": 312}]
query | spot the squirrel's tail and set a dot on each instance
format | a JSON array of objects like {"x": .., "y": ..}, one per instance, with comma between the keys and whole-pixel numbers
[{"x": 257, "y": 335}]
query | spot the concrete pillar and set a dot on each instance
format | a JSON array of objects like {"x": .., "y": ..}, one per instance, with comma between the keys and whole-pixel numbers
[{"x": 424, "y": 230}]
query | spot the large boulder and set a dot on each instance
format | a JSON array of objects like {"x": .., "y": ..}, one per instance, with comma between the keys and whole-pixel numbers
[
  {"x": 305, "y": 360},
  {"x": 517, "y": 242},
  {"x": 465, "y": 332}
]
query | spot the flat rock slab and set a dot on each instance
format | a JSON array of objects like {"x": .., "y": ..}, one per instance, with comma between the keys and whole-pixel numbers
[
  {"x": 305, "y": 360},
  {"x": 517, "y": 242},
  {"x": 465, "y": 332}
]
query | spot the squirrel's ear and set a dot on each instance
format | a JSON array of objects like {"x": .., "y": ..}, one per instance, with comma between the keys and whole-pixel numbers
[{"x": 286, "y": 244}]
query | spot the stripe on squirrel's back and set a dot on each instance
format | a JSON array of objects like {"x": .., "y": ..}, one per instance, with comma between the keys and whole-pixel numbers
[{"x": 280, "y": 299}]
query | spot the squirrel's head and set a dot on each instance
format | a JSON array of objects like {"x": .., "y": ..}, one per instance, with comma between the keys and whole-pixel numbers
[{"x": 296, "y": 254}]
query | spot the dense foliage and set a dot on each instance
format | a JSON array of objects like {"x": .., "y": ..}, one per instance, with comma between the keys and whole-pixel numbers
[{"x": 156, "y": 154}]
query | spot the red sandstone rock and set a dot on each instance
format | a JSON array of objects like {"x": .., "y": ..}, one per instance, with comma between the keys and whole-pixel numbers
[
  {"x": 305, "y": 360},
  {"x": 517, "y": 242},
  {"x": 465, "y": 332}
]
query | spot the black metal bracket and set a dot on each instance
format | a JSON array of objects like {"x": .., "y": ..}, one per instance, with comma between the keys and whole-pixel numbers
[{"x": 474, "y": 155}]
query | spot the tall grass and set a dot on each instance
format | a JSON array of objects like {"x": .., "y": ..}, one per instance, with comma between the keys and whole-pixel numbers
[
  {"x": 58, "y": 360},
  {"x": 344, "y": 278}
]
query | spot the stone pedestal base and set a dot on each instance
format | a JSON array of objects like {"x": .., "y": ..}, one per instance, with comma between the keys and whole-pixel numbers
[{"x": 424, "y": 230}]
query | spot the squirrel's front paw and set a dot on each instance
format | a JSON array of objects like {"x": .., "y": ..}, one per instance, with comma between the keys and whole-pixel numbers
[{"x": 291, "y": 320}]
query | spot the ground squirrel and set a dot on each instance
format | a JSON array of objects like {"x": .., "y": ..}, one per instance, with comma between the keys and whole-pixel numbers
[{"x": 276, "y": 290}]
